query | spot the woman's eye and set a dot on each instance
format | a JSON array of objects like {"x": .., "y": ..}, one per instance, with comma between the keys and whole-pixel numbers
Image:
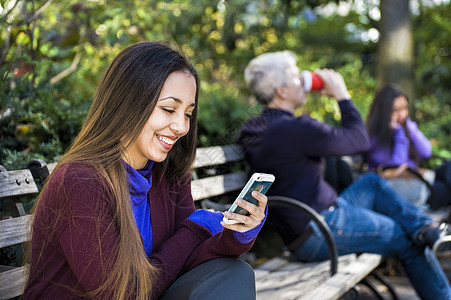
[
  {"x": 189, "y": 116},
  {"x": 170, "y": 111}
]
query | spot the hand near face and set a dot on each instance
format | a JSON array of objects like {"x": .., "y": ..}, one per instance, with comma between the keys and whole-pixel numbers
[
  {"x": 400, "y": 112},
  {"x": 334, "y": 84},
  {"x": 393, "y": 123},
  {"x": 257, "y": 214}
]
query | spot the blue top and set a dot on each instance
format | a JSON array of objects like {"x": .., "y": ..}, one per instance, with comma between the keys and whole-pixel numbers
[
  {"x": 140, "y": 182},
  {"x": 291, "y": 148}
]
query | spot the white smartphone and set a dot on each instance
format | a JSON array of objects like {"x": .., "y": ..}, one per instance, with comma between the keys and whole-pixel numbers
[{"x": 259, "y": 182}]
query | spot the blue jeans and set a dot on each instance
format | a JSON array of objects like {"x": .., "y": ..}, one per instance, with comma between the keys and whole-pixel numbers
[{"x": 370, "y": 216}]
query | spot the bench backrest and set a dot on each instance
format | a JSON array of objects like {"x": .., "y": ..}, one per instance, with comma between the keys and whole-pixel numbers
[
  {"x": 217, "y": 184},
  {"x": 14, "y": 185}
]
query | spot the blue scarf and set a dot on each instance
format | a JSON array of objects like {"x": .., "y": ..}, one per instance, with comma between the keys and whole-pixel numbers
[{"x": 140, "y": 182}]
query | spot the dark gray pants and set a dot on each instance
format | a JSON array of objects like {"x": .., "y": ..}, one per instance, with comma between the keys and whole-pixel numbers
[{"x": 217, "y": 279}]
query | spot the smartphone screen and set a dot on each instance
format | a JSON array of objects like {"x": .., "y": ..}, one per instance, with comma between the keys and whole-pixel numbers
[{"x": 259, "y": 182}]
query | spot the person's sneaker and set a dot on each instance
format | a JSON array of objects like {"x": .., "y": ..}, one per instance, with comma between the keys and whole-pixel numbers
[
  {"x": 434, "y": 234},
  {"x": 428, "y": 235},
  {"x": 443, "y": 243}
]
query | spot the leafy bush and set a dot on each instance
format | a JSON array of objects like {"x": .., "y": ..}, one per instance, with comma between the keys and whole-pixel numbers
[{"x": 53, "y": 53}]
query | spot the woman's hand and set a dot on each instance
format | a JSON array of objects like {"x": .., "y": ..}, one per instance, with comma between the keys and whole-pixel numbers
[
  {"x": 392, "y": 173},
  {"x": 257, "y": 214},
  {"x": 393, "y": 123}
]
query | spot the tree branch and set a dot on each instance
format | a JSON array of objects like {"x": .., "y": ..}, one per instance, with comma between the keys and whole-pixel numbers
[
  {"x": 39, "y": 11},
  {"x": 5, "y": 17},
  {"x": 69, "y": 70},
  {"x": 5, "y": 47}
]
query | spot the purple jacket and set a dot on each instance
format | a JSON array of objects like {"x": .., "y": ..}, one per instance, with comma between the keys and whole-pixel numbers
[
  {"x": 179, "y": 244},
  {"x": 382, "y": 155}
]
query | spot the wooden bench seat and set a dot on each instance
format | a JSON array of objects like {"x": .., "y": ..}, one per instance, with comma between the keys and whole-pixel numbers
[
  {"x": 282, "y": 279},
  {"x": 215, "y": 174}
]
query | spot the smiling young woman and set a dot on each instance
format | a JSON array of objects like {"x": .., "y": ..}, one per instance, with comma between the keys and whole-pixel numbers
[
  {"x": 116, "y": 218},
  {"x": 169, "y": 121}
]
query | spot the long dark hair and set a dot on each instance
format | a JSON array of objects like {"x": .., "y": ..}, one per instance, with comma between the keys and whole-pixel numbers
[
  {"x": 125, "y": 98},
  {"x": 379, "y": 117}
]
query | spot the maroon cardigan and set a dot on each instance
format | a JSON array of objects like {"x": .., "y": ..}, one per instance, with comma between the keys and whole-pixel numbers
[{"x": 72, "y": 221}]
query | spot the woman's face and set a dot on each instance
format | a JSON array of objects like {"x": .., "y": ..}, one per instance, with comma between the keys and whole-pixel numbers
[
  {"x": 169, "y": 121},
  {"x": 400, "y": 111}
]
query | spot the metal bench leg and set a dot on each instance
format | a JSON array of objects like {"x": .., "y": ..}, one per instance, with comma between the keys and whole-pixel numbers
[
  {"x": 373, "y": 287},
  {"x": 353, "y": 293}
]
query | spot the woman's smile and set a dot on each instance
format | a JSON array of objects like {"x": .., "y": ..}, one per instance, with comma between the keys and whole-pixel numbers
[{"x": 167, "y": 142}]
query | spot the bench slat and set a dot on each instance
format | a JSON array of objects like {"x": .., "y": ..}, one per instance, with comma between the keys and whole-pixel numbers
[
  {"x": 14, "y": 231},
  {"x": 12, "y": 282},
  {"x": 17, "y": 183},
  {"x": 349, "y": 276},
  {"x": 289, "y": 283},
  {"x": 217, "y": 185},
  {"x": 280, "y": 279},
  {"x": 212, "y": 156},
  {"x": 50, "y": 167},
  {"x": 293, "y": 279},
  {"x": 205, "y": 157}
]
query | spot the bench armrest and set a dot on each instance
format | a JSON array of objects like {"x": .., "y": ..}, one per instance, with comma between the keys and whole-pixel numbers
[
  {"x": 286, "y": 202},
  {"x": 38, "y": 169}
]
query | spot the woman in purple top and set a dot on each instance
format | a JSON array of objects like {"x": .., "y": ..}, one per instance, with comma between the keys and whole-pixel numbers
[
  {"x": 116, "y": 219},
  {"x": 395, "y": 138},
  {"x": 396, "y": 141}
]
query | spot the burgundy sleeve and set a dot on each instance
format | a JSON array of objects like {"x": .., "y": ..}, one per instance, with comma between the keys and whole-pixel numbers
[
  {"x": 191, "y": 244},
  {"x": 222, "y": 244},
  {"x": 90, "y": 238},
  {"x": 172, "y": 256},
  {"x": 170, "y": 207}
]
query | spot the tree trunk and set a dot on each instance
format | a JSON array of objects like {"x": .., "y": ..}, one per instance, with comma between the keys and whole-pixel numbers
[{"x": 395, "y": 48}]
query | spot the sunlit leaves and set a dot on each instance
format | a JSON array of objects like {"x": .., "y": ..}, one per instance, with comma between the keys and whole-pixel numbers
[{"x": 219, "y": 37}]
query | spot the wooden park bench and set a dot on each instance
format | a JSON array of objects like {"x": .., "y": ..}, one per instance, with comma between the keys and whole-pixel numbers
[
  {"x": 219, "y": 173},
  {"x": 14, "y": 185},
  {"x": 281, "y": 277}
]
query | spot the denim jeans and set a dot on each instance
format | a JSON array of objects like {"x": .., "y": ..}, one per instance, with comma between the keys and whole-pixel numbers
[{"x": 370, "y": 216}]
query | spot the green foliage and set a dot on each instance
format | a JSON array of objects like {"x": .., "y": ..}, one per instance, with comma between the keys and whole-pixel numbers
[
  {"x": 222, "y": 113},
  {"x": 53, "y": 54},
  {"x": 433, "y": 105}
]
